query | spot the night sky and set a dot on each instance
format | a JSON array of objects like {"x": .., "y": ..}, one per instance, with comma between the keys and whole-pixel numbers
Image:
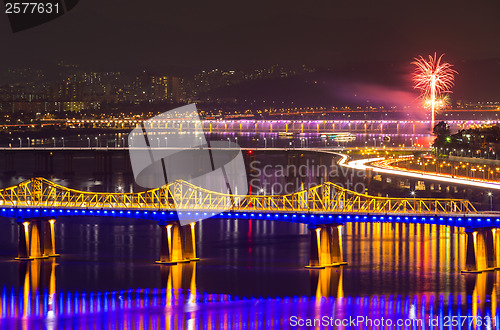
[{"x": 157, "y": 34}]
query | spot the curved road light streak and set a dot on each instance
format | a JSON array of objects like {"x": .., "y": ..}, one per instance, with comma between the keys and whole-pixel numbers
[{"x": 361, "y": 164}]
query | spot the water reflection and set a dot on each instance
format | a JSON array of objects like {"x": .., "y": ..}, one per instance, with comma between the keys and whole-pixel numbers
[
  {"x": 177, "y": 277},
  {"x": 395, "y": 271},
  {"x": 327, "y": 282},
  {"x": 179, "y": 308}
]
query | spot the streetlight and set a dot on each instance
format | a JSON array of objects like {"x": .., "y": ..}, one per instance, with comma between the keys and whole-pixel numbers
[
  {"x": 413, "y": 194},
  {"x": 20, "y": 144},
  {"x": 28, "y": 141},
  {"x": 96, "y": 142},
  {"x": 88, "y": 139},
  {"x": 54, "y": 140},
  {"x": 63, "y": 141}
]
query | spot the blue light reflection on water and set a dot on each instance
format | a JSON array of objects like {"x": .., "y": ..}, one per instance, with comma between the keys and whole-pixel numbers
[
  {"x": 394, "y": 271},
  {"x": 179, "y": 309}
]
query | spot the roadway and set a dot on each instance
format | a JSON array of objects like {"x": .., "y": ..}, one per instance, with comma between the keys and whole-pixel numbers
[
  {"x": 327, "y": 149},
  {"x": 365, "y": 165}
]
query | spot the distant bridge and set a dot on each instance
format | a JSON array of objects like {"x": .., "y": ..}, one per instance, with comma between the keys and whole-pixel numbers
[{"x": 278, "y": 125}]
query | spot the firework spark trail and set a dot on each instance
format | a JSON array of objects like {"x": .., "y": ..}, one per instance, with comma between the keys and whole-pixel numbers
[{"x": 434, "y": 78}]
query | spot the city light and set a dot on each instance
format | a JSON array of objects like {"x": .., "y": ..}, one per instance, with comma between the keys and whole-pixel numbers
[{"x": 366, "y": 164}]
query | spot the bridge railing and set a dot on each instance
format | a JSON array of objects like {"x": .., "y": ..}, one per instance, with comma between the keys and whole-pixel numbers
[
  {"x": 180, "y": 195},
  {"x": 327, "y": 197}
]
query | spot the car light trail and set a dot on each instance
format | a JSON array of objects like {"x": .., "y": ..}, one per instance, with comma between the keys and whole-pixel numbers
[{"x": 363, "y": 164}]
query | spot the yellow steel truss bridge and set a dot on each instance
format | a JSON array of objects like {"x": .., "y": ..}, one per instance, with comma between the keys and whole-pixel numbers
[{"x": 180, "y": 195}]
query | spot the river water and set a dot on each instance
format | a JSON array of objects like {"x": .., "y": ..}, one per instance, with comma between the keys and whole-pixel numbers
[
  {"x": 250, "y": 273},
  {"x": 251, "y": 276}
]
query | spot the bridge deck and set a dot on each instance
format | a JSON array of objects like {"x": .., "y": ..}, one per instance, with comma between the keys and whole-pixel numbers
[{"x": 478, "y": 220}]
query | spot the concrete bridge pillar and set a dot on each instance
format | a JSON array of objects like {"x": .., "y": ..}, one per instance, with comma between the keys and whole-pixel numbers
[
  {"x": 49, "y": 243},
  {"x": 481, "y": 254},
  {"x": 23, "y": 250},
  {"x": 326, "y": 246},
  {"x": 177, "y": 243},
  {"x": 36, "y": 239},
  {"x": 190, "y": 242}
]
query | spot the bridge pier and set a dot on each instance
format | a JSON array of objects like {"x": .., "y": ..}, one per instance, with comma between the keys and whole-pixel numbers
[
  {"x": 481, "y": 254},
  {"x": 178, "y": 243},
  {"x": 49, "y": 242},
  {"x": 23, "y": 248},
  {"x": 326, "y": 246},
  {"x": 36, "y": 239},
  {"x": 190, "y": 242}
]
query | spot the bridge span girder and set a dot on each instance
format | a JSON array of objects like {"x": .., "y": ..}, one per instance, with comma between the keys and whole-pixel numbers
[{"x": 183, "y": 196}]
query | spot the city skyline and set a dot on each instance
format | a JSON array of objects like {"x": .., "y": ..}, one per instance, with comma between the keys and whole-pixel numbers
[{"x": 386, "y": 86}]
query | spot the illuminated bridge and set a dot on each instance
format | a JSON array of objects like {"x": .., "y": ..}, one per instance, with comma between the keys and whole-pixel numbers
[
  {"x": 36, "y": 204},
  {"x": 280, "y": 125}
]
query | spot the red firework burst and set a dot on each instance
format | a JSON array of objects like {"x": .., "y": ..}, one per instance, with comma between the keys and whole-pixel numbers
[{"x": 434, "y": 78}]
